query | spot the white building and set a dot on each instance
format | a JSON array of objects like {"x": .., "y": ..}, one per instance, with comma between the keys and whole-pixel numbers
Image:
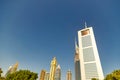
[
  {"x": 89, "y": 58},
  {"x": 58, "y": 73}
]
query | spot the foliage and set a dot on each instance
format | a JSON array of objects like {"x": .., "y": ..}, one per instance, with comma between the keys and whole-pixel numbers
[
  {"x": 1, "y": 78},
  {"x": 22, "y": 75},
  {"x": 115, "y": 75}
]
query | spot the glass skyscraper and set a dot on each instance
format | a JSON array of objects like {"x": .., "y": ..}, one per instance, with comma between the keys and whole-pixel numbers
[{"x": 90, "y": 65}]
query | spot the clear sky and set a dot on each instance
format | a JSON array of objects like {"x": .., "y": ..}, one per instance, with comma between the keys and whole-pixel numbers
[{"x": 32, "y": 32}]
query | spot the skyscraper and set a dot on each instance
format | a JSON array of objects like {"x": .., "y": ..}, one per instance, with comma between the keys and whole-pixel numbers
[
  {"x": 42, "y": 75},
  {"x": 69, "y": 75},
  {"x": 47, "y": 76},
  {"x": 12, "y": 69},
  {"x": 90, "y": 64},
  {"x": 53, "y": 69},
  {"x": 77, "y": 63},
  {"x": 9, "y": 71},
  {"x": 58, "y": 73}
]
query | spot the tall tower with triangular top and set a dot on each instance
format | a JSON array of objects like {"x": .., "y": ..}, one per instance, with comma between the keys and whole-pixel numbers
[
  {"x": 90, "y": 65},
  {"x": 77, "y": 63}
]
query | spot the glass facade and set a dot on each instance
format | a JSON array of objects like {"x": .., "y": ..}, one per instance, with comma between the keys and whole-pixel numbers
[
  {"x": 88, "y": 54},
  {"x": 86, "y": 41},
  {"x": 91, "y": 71}
]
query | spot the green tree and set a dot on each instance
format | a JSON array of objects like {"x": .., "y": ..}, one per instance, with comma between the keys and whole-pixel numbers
[
  {"x": 1, "y": 72},
  {"x": 1, "y": 78},
  {"x": 22, "y": 75},
  {"x": 115, "y": 75}
]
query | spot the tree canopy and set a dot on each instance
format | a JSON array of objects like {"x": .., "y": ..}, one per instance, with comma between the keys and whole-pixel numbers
[
  {"x": 94, "y": 79},
  {"x": 1, "y": 78},
  {"x": 1, "y": 72},
  {"x": 115, "y": 75},
  {"x": 22, "y": 75}
]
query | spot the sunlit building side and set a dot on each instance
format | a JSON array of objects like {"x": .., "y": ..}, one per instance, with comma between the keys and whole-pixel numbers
[
  {"x": 42, "y": 75},
  {"x": 47, "y": 76},
  {"x": 53, "y": 69},
  {"x": 69, "y": 75},
  {"x": 12, "y": 69}
]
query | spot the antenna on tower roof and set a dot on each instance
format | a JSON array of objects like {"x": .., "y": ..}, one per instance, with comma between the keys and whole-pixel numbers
[
  {"x": 76, "y": 46},
  {"x": 85, "y": 25}
]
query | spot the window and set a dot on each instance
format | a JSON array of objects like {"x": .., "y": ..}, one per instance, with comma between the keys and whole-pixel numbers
[{"x": 85, "y": 32}]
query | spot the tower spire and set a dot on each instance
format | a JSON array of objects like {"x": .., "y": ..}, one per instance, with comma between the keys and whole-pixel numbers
[
  {"x": 85, "y": 25},
  {"x": 58, "y": 66},
  {"x": 76, "y": 46}
]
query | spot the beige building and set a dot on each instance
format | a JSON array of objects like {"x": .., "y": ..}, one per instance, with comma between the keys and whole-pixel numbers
[
  {"x": 69, "y": 75},
  {"x": 12, "y": 69},
  {"x": 47, "y": 76},
  {"x": 42, "y": 75}
]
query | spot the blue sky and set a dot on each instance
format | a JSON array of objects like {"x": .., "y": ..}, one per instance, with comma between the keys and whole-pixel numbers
[{"x": 32, "y": 32}]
